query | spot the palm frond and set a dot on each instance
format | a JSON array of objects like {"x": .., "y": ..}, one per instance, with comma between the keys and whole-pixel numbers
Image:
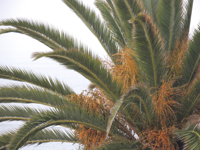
[
  {"x": 192, "y": 98},
  {"x": 27, "y": 94},
  {"x": 148, "y": 49},
  {"x": 95, "y": 25},
  {"x": 112, "y": 21},
  {"x": 126, "y": 10},
  {"x": 53, "y": 85},
  {"x": 46, "y": 135},
  {"x": 187, "y": 18},
  {"x": 140, "y": 98},
  {"x": 9, "y": 112},
  {"x": 53, "y": 135},
  {"x": 8, "y": 30},
  {"x": 136, "y": 95},
  {"x": 89, "y": 66},
  {"x": 151, "y": 7},
  {"x": 169, "y": 21},
  {"x": 122, "y": 145},
  {"x": 191, "y": 61},
  {"x": 66, "y": 115},
  {"x": 5, "y": 139},
  {"x": 189, "y": 136},
  {"x": 43, "y": 33}
]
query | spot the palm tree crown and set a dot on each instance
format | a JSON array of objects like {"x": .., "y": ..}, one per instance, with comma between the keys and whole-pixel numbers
[{"x": 146, "y": 96}]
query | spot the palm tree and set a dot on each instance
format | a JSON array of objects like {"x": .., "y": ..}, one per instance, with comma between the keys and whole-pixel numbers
[{"x": 145, "y": 97}]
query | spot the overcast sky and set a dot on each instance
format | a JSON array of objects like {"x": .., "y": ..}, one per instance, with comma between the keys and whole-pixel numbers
[{"x": 16, "y": 49}]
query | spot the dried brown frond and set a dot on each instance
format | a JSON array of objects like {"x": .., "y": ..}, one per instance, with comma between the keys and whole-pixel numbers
[{"x": 158, "y": 139}]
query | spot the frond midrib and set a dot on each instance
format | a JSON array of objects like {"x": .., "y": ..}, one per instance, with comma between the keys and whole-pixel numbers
[
  {"x": 171, "y": 25},
  {"x": 117, "y": 27},
  {"x": 17, "y": 79},
  {"x": 193, "y": 70},
  {"x": 145, "y": 108},
  {"x": 151, "y": 51},
  {"x": 191, "y": 106},
  {"x": 15, "y": 118},
  {"x": 59, "y": 47},
  {"x": 88, "y": 25},
  {"x": 129, "y": 9},
  {"x": 49, "y": 123},
  {"x": 71, "y": 60},
  {"x": 25, "y": 100}
]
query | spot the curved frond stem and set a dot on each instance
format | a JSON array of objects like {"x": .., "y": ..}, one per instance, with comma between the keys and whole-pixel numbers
[
  {"x": 145, "y": 108},
  {"x": 193, "y": 97},
  {"x": 171, "y": 25},
  {"x": 20, "y": 100},
  {"x": 169, "y": 21},
  {"x": 112, "y": 20},
  {"x": 116, "y": 107},
  {"x": 13, "y": 118},
  {"x": 187, "y": 19},
  {"x": 129, "y": 9},
  {"x": 148, "y": 48},
  {"x": 152, "y": 56},
  {"x": 47, "y": 84},
  {"x": 95, "y": 26},
  {"x": 53, "y": 38},
  {"x": 44, "y": 136},
  {"x": 47, "y": 124},
  {"x": 71, "y": 62},
  {"x": 39, "y": 35},
  {"x": 191, "y": 62}
]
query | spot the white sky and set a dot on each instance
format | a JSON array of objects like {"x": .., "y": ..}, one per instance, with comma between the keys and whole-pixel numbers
[{"x": 16, "y": 49}]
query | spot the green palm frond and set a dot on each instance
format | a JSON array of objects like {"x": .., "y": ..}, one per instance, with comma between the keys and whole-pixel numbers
[
  {"x": 112, "y": 21},
  {"x": 123, "y": 145},
  {"x": 53, "y": 85},
  {"x": 89, "y": 66},
  {"x": 192, "y": 98},
  {"x": 49, "y": 36},
  {"x": 191, "y": 62},
  {"x": 5, "y": 139},
  {"x": 46, "y": 135},
  {"x": 187, "y": 18},
  {"x": 169, "y": 21},
  {"x": 148, "y": 50},
  {"x": 53, "y": 135},
  {"x": 27, "y": 94},
  {"x": 43, "y": 33},
  {"x": 151, "y": 7},
  {"x": 126, "y": 10},
  {"x": 136, "y": 95},
  {"x": 9, "y": 112},
  {"x": 95, "y": 25},
  {"x": 140, "y": 98},
  {"x": 66, "y": 115},
  {"x": 8, "y": 30},
  {"x": 190, "y": 136}
]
